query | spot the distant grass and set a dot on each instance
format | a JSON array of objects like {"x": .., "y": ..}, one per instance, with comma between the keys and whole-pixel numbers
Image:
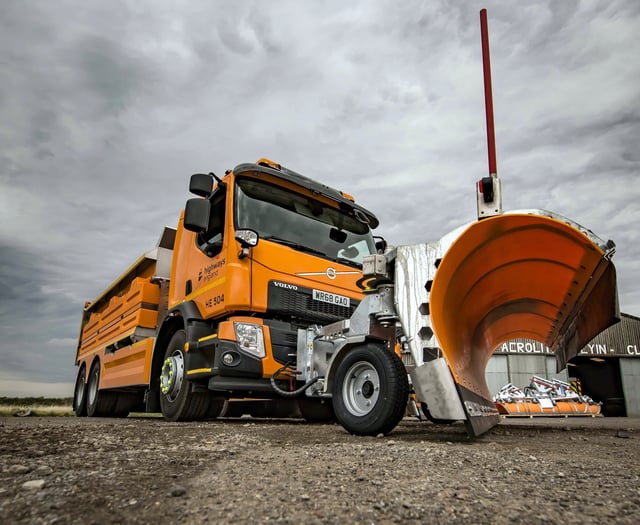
[
  {"x": 46, "y": 407},
  {"x": 35, "y": 410},
  {"x": 40, "y": 401},
  {"x": 36, "y": 406}
]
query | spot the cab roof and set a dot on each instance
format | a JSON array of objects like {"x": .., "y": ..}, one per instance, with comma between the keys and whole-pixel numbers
[{"x": 288, "y": 175}]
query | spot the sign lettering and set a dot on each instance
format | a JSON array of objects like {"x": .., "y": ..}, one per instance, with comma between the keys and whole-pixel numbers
[{"x": 591, "y": 349}]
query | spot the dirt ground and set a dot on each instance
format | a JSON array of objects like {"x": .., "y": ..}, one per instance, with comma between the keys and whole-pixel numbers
[{"x": 146, "y": 470}]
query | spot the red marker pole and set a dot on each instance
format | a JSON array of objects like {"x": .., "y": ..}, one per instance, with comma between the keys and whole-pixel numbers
[
  {"x": 488, "y": 191},
  {"x": 488, "y": 94}
]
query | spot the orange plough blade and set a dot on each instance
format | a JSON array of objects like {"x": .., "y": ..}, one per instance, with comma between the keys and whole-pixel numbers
[{"x": 529, "y": 274}]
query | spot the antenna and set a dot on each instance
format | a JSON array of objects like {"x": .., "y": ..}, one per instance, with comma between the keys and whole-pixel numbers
[{"x": 488, "y": 190}]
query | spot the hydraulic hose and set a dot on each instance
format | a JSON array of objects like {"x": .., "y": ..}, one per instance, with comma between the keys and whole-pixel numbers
[{"x": 292, "y": 393}]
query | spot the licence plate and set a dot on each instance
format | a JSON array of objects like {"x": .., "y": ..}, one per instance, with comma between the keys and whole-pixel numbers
[{"x": 331, "y": 298}]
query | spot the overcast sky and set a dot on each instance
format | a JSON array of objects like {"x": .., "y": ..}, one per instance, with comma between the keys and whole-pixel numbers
[{"x": 106, "y": 108}]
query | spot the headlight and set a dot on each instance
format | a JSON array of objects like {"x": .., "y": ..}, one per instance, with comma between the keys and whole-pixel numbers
[{"x": 249, "y": 338}]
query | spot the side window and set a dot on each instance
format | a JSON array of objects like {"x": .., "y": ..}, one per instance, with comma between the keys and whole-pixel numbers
[{"x": 210, "y": 241}]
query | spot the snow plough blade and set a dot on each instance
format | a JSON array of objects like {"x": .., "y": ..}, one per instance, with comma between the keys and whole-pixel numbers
[{"x": 529, "y": 274}]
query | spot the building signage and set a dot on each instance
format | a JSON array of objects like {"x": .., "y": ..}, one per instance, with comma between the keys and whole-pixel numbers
[{"x": 522, "y": 346}]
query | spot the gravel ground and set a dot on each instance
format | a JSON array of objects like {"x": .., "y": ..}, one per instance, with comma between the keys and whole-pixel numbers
[{"x": 145, "y": 470}]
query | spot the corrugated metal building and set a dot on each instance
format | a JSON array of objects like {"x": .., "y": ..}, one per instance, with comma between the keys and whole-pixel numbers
[{"x": 608, "y": 367}]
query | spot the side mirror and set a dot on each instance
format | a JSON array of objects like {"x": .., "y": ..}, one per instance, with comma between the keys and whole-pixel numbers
[
  {"x": 196, "y": 215},
  {"x": 381, "y": 244},
  {"x": 201, "y": 184},
  {"x": 246, "y": 238}
]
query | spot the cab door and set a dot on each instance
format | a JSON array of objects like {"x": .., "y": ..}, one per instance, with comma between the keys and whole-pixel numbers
[{"x": 200, "y": 259}]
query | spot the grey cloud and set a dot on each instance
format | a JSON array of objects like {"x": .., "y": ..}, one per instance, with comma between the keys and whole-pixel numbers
[
  {"x": 113, "y": 73},
  {"x": 19, "y": 280},
  {"x": 30, "y": 317}
]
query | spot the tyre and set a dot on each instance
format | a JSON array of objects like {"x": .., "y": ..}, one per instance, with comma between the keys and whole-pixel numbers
[
  {"x": 177, "y": 400},
  {"x": 216, "y": 407},
  {"x": 100, "y": 403},
  {"x": 80, "y": 393},
  {"x": 370, "y": 390},
  {"x": 316, "y": 410},
  {"x": 125, "y": 403}
]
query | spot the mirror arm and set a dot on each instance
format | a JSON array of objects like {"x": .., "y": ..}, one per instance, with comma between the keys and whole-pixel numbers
[{"x": 218, "y": 180}]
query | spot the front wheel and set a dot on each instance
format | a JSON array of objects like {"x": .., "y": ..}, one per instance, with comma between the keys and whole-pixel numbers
[
  {"x": 177, "y": 399},
  {"x": 370, "y": 390}
]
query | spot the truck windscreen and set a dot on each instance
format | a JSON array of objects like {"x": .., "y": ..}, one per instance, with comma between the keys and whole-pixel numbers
[{"x": 301, "y": 222}]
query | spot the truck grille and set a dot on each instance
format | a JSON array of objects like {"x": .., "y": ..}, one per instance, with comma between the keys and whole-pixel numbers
[{"x": 298, "y": 303}]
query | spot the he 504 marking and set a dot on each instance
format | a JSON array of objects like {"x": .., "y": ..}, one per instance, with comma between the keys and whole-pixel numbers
[{"x": 218, "y": 299}]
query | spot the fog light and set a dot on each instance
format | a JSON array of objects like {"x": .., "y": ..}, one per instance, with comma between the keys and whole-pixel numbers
[{"x": 228, "y": 359}]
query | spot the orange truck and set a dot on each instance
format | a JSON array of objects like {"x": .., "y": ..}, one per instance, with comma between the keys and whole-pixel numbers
[
  {"x": 274, "y": 289},
  {"x": 211, "y": 312}
]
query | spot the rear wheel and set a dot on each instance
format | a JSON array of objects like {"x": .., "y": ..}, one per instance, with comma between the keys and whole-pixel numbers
[
  {"x": 80, "y": 393},
  {"x": 100, "y": 403},
  {"x": 178, "y": 401},
  {"x": 126, "y": 403},
  {"x": 370, "y": 390}
]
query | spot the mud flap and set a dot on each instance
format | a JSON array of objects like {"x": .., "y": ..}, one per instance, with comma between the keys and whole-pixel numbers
[{"x": 531, "y": 274}]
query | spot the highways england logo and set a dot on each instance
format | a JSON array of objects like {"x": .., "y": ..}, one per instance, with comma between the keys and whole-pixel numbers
[{"x": 210, "y": 271}]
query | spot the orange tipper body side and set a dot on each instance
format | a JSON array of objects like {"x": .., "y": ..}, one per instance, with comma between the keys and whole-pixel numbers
[
  {"x": 117, "y": 333},
  {"x": 118, "y": 330}
]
